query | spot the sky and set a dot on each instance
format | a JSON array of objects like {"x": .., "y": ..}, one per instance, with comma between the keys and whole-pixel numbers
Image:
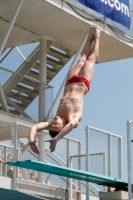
[{"x": 109, "y": 103}]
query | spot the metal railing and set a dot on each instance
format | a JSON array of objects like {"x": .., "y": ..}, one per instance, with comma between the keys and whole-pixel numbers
[
  {"x": 129, "y": 157},
  {"x": 109, "y": 154},
  {"x": 3, "y": 166},
  {"x": 80, "y": 182}
]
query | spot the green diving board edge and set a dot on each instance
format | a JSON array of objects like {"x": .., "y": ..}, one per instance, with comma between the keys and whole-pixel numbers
[{"x": 72, "y": 173}]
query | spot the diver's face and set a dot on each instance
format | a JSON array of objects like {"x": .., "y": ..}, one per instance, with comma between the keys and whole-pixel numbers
[{"x": 57, "y": 124}]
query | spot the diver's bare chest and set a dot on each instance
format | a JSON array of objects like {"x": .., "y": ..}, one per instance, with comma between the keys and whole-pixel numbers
[
  {"x": 69, "y": 106},
  {"x": 66, "y": 107}
]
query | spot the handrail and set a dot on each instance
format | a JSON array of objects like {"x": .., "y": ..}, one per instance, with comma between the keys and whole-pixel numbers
[
  {"x": 83, "y": 155},
  {"x": 106, "y": 132},
  {"x": 8, "y": 146}
]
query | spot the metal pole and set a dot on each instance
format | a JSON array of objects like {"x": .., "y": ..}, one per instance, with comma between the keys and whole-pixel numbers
[
  {"x": 10, "y": 26},
  {"x": 42, "y": 79},
  {"x": 73, "y": 64},
  {"x": 17, "y": 108},
  {"x": 3, "y": 99},
  {"x": 129, "y": 160},
  {"x": 104, "y": 170},
  {"x": 42, "y": 102},
  {"x": 19, "y": 154},
  {"x": 69, "y": 187},
  {"x": 79, "y": 167},
  {"x": 70, "y": 182},
  {"x": 109, "y": 156},
  {"x": 104, "y": 161},
  {"x": 1, "y": 169},
  {"x": 15, "y": 154},
  {"x": 5, "y": 159},
  {"x": 120, "y": 158},
  {"x": 87, "y": 162},
  {"x": 24, "y": 149},
  {"x": 17, "y": 171}
]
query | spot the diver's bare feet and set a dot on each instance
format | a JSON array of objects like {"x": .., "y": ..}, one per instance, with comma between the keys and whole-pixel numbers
[
  {"x": 91, "y": 33},
  {"x": 97, "y": 31}
]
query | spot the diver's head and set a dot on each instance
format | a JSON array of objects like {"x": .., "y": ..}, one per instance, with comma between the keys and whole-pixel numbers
[{"x": 56, "y": 125}]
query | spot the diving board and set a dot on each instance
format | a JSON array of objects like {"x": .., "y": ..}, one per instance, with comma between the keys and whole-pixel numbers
[{"x": 119, "y": 184}]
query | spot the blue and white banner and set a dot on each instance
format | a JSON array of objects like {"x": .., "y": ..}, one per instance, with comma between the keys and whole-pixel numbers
[{"x": 116, "y": 10}]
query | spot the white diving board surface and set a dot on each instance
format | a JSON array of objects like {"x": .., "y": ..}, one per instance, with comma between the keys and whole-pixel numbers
[{"x": 117, "y": 183}]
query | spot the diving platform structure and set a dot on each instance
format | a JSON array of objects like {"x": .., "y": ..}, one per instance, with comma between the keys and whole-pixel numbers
[
  {"x": 64, "y": 22},
  {"x": 45, "y": 36}
]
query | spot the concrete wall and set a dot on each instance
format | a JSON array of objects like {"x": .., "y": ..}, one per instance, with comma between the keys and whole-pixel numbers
[{"x": 5, "y": 182}]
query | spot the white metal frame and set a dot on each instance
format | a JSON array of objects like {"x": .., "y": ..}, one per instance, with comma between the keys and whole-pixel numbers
[
  {"x": 79, "y": 156},
  {"x": 88, "y": 128},
  {"x": 10, "y": 26},
  {"x": 129, "y": 159},
  {"x": 15, "y": 158},
  {"x": 3, "y": 99},
  {"x": 3, "y": 170}
]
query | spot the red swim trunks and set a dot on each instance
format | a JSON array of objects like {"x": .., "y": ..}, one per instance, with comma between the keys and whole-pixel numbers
[{"x": 77, "y": 78}]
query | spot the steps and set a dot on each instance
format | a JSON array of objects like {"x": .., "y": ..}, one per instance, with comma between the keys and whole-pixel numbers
[{"x": 23, "y": 85}]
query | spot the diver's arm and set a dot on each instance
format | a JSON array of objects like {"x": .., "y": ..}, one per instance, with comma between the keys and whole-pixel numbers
[{"x": 33, "y": 132}]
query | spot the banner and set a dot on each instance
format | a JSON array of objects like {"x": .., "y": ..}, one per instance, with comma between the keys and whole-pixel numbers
[{"x": 116, "y": 10}]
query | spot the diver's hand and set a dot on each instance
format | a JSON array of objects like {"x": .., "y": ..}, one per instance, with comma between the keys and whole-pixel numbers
[
  {"x": 34, "y": 147},
  {"x": 53, "y": 143}
]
